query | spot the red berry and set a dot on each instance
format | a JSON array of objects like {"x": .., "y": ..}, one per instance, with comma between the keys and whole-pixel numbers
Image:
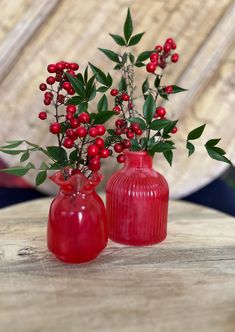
[
  {"x": 81, "y": 131},
  {"x": 160, "y": 111},
  {"x": 70, "y": 133},
  {"x": 50, "y": 80},
  {"x": 99, "y": 142},
  {"x": 66, "y": 65},
  {"x": 71, "y": 109},
  {"x": 42, "y": 86},
  {"x": 169, "y": 89},
  {"x": 121, "y": 158},
  {"x": 167, "y": 48},
  {"x": 114, "y": 92},
  {"x": 68, "y": 143},
  {"x": 60, "y": 98},
  {"x": 42, "y": 115},
  {"x": 158, "y": 48},
  {"x": 101, "y": 130},
  {"x": 175, "y": 57},
  {"x": 117, "y": 109},
  {"x": 92, "y": 150},
  {"x": 126, "y": 143},
  {"x": 47, "y": 101},
  {"x": 118, "y": 147},
  {"x": 125, "y": 97},
  {"x": 104, "y": 153},
  {"x": 48, "y": 95},
  {"x": 135, "y": 126},
  {"x": 94, "y": 163},
  {"x": 154, "y": 57},
  {"x": 169, "y": 41},
  {"x": 151, "y": 67},
  {"x": 71, "y": 91},
  {"x": 84, "y": 117},
  {"x": 60, "y": 66},
  {"x": 93, "y": 132},
  {"x": 51, "y": 68},
  {"x": 118, "y": 131},
  {"x": 71, "y": 72},
  {"x": 139, "y": 132},
  {"x": 130, "y": 135},
  {"x": 74, "y": 66},
  {"x": 66, "y": 86},
  {"x": 119, "y": 123},
  {"x": 174, "y": 130},
  {"x": 55, "y": 128},
  {"x": 173, "y": 46},
  {"x": 69, "y": 116},
  {"x": 75, "y": 123},
  {"x": 162, "y": 64}
]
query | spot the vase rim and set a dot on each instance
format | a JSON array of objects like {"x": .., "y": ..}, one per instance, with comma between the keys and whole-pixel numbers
[{"x": 142, "y": 152}]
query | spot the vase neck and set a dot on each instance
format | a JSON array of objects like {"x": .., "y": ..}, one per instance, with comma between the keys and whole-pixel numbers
[{"x": 139, "y": 159}]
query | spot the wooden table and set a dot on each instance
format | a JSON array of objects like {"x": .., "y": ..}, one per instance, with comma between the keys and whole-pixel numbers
[{"x": 185, "y": 284}]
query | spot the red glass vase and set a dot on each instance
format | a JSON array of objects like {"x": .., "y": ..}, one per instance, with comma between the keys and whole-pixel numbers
[
  {"x": 137, "y": 202},
  {"x": 77, "y": 226}
]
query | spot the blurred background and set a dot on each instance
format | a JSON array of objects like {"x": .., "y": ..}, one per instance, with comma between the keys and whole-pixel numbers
[{"x": 35, "y": 33}]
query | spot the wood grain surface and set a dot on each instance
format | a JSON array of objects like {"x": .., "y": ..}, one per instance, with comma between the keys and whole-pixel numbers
[
  {"x": 35, "y": 33},
  {"x": 185, "y": 284}
]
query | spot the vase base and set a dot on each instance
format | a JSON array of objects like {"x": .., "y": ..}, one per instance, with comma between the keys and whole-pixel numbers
[{"x": 138, "y": 243}]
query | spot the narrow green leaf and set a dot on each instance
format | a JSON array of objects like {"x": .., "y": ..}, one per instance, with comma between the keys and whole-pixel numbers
[
  {"x": 100, "y": 75},
  {"x": 169, "y": 127},
  {"x": 57, "y": 153},
  {"x": 196, "y": 133},
  {"x": 160, "y": 124},
  {"x": 168, "y": 156},
  {"x": 135, "y": 39},
  {"x": 118, "y": 39},
  {"x": 25, "y": 156},
  {"x": 12, "y": 152},
  {"x": 213, "y": 142},
  {"x": 128, "y": 26},
  {"x": 110, "y": 54},
  {"x": 190, "y": 147},
  {"x": 117, "y": 67},
  {"x": 157, "y": 81},
  {"x": 145, "y": 86},
  {"x": 162, "y": 147},
  {"x": 214, "y": 154},
  {"x": 143, "y": 142},
  {"x": 102, "y": 89},
  {"x": 82, "y": 107},
  {"x": 122, "y": 86},
  {"x": 12, "y": 145},
  {"x": 102, "y": 104},
  {"x": 109, "y": 80},
  {"x": 41, "y": 177},
  {"x": 103, "y": 117},
  {"x": 131, "y": 57},
  {"x": 111, "y": 132},
  {"x": 177, "y": 89},
  {"x": 143, "y": 56},
  {"x": 139, "y": 64},
  {"x": 77, "y": 85},
  {"x": 76, "y": 100},
  {"x": 149, "y": 108},
  {"x": 163, "y": 94},
  {"x": 140, "y": 121},
  {"x": 19, "y": 171},
  {"x": 86, "y": 75}
]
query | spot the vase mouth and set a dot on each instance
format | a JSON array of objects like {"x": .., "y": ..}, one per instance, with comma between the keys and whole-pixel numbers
[
  {"x": 140, "y": 153},
  {"x": 76, "y": 183},
  {"x": 137, "y": 159}
]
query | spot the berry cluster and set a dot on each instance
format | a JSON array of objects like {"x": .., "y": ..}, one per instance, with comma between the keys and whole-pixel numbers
[
  {"x": 120, "y": 98},
  {"x": 161, "y": 55}
]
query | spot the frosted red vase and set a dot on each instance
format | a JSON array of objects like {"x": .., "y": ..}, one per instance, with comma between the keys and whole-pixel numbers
[
  {"x": 137, "y": 202},
  {"x": 77, "y": 225}
]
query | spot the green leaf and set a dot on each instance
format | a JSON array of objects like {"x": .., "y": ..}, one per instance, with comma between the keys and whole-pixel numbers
[
  {"x": 109, "y": 80},
  {"x": 55, "y": 166},
  {"x": 169, "y": 128},
  {"x": 12, "y": 145},
  {"x": 149, "y": 108},
  {"x": 19, "y": 171},
  {"x": 214, "y": 153},
  {"x": 12, "y": 152},
  {"x": 160, "y": 124},
  {"x": 162, "y": 147},
  {"x": 163, "y": 94},
  {"x": 91, "y": 95},
  {"x": 103, "y": 117},
  {"x": 177, "y": 89},
  {"x": 86, "y": 75},
  {"x": 111, "y": 132},
  {"x": 41, "y": 177},
  {"x": 141, "y": 122},
  {"x": 143, "y": 142},
  {"x": 128, "y": 26},
  {"x": 117, "y": 67},
  {"x": 213, "y": 142},
  {"x": 90, "y": 85},
  {"x": 118, "y": 39},
  {"x": 143, "y": 56},
  {"x": 110, "y": 54},
  {"x": 135, "y": 39},
  {"x": 139, "y": 64},
  {"x": 145, "y": 86},
  {"x": 76, "y": 100},
  {"x": 77, "y": 85},
  {"x": 102, "y": 89},
  {"x": 83, "y": 107},
  {"x": 157, "y": 81},
  {"x": 122, "y": 84},
  {"x": 100, "y": 75},
  {"x": 190, "y": 147},
  {"x": 196, "y": 133},
  {"x": 168, "y": 156},
  {"x": 73, "y": 156},
  {"x": 57, "y": 153},
  {"x": 131, "y": 57},
  {"x": 135, "y": 146},
  {"x": 25, "y": 156},
  {"x": 102, "y": 104}
]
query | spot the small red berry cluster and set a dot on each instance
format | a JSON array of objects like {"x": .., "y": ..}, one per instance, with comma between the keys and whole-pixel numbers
[
  {"x": 161, "y": 55},
  {"x": 161, "y": 113},
  {"x": 120, "y": 97}
]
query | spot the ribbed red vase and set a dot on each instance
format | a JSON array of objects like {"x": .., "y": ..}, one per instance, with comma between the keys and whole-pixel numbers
[{"x": 137, "y": 202}]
